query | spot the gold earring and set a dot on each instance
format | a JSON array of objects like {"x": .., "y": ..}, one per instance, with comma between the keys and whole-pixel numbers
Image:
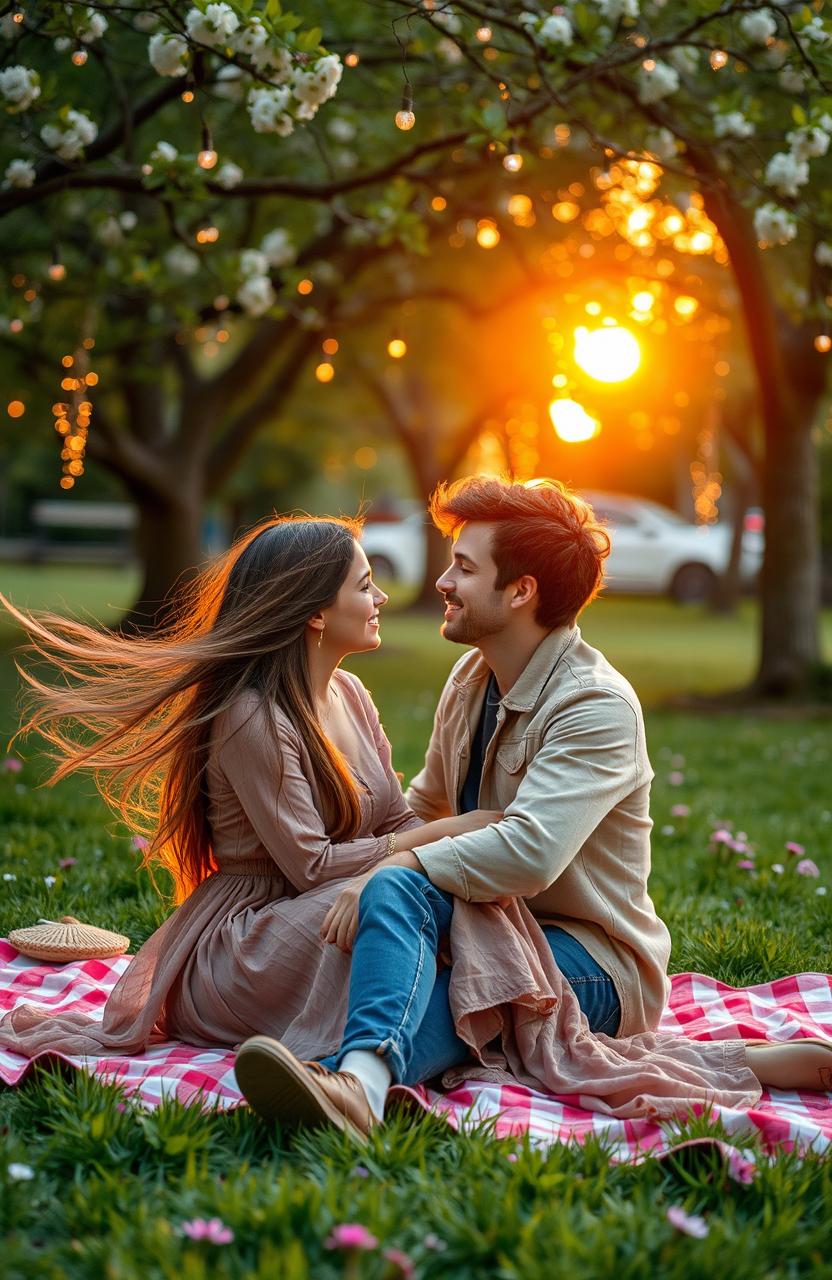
[{"x": 321, "y": 635}]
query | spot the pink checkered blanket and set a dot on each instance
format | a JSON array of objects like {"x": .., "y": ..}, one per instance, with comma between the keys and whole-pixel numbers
[{"x": 699, "y": 1007}]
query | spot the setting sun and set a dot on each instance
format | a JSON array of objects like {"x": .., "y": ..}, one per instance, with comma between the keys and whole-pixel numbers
[
  {"x": 610, "y": 354},
  {"x": 571, "y": 421}
]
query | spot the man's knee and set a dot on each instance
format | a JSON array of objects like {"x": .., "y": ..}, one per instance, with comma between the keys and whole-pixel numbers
[{"x": 390, "y": 884}]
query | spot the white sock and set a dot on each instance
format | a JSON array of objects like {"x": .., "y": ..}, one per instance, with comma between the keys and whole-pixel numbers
[{"x": 374, "y": 1074}]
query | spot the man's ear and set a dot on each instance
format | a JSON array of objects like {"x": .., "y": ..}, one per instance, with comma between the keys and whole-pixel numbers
[{"x": 525, "y": 590}]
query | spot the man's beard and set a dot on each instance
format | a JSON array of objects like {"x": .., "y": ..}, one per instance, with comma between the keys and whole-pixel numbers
[{"x": 471, "y": 626}]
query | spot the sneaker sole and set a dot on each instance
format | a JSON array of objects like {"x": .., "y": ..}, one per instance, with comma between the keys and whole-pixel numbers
[{"x": 277, "y": 1086}]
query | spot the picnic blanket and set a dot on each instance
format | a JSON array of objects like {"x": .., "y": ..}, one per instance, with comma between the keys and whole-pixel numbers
[{"x": 699, "y": 1007}]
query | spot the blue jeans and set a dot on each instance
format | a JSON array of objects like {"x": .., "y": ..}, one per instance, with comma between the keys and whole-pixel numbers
[{"x": 399, "y": 1005}]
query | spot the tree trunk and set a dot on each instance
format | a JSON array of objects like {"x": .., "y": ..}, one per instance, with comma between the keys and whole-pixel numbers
[
  {"x": 436, "y": 562},
  {"x": 169, "y": 548},
  {"x": 729, "y": 587},
  {"x": 790, "y": 584}
]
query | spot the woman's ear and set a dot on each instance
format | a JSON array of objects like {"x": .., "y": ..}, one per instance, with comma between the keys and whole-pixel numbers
[{"x": 317, "y": 622}]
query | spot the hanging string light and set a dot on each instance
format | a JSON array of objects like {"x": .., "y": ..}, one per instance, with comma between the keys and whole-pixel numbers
[
  {"x": 397, "y": 348},
  {"x": 405, "y": 118},
  {"x": 207, "y": 157},
  {"x": 73, "y": 416},
  {"x": 512, "y": 161}
]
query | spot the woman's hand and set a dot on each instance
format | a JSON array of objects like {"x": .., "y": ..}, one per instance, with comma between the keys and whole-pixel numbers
[{"x": 341, "y": 921}]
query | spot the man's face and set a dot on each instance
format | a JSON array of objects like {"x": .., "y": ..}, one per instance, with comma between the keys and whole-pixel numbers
[{"x": 473, "y": 609}]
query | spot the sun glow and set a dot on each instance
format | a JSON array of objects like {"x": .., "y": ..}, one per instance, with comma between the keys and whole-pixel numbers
[
  {"x": 571, "y": 421},
  {"x": 609, "y": 354}
]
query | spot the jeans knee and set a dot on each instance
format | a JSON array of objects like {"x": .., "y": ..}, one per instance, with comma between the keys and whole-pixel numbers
[{"x": 390, "y": 883}]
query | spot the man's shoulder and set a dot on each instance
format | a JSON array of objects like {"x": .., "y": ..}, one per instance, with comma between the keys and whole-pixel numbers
[{"x": 585, "y": 672}]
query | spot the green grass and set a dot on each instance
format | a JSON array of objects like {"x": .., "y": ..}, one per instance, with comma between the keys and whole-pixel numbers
[{"x": 112, "y": 1185}]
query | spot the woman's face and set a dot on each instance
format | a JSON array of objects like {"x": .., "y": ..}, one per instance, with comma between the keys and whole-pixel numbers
[{"x": 352, "y": 622}]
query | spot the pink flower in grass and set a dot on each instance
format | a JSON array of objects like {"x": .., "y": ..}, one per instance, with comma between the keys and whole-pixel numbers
[
  {"x": 795, "y": 849},
  {"x": 676, "y": 778},
  {"x": 689, "y": 1223},
  {"x": 211, "y": 1229},
  {"x": 63, "y": 863},
  {"x": 140, "y": 843},
  {"x": 806, "y": 867},
  {"x": 350, "y": 1235},
  {"x": 680, "y": 811},
  {"x": 12, "y": 765},
  {"x": 401, "y": 1261},
  {"x": 740, "y": 1169},
  {"x": 745, "y": 864},
  {"x": 722, "y": 836}
]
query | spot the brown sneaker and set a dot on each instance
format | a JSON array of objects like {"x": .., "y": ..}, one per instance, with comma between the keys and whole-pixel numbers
[{"x": 278, "y": 1086}]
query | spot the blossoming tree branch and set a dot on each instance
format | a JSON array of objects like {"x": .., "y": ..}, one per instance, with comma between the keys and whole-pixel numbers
[{"x": 238, "y": 169}]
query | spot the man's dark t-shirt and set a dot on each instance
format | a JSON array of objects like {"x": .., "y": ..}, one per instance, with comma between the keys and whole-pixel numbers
[{"x": 470, "y": 794}]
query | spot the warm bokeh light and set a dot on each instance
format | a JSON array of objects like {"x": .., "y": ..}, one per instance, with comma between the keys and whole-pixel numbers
[
  {"x": 305, "y": 287},
  {"x": 566, "y": 211},
  {"x": 396, "y": 348},
  {"x": 718, "y": 59},
  {"x": 571, "y": 421},
  {"x": 513, "y": 162},
  {"x": 823, "y": 342},
  {"x": 352, "y": 59},
  {"x": 57, "y": 271},
  {"x": 438, "y": 203},
  {"x": 488, "y": 236},
  {"x": 329, "y": 346},
  {"x": 405, "y": 120},
  {"x": 365, "y": 458},
  {"x": 643, "y": 301},
  {"x": 207, "y": 158},
  {"x": 609, "y": 354},
  {"x": 685, "y": 306},
  {"x": 16, "y": 409},
  {"x": 325, "y": 372}
]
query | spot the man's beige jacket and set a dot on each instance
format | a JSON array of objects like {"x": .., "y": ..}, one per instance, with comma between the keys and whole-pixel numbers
[{"x": 568, "y": 766}]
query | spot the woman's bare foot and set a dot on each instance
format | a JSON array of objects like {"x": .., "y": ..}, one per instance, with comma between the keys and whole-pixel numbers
[{"x": 796, "y": 1064}]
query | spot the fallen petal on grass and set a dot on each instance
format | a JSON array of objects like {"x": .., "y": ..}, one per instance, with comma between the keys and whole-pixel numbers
[{"x": 690, "y": 1224}]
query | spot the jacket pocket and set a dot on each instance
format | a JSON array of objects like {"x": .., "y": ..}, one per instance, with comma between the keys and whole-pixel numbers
[{"x": 511, "y": 756}]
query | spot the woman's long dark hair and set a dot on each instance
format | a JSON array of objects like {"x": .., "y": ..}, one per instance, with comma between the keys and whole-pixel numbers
[{"x": 137, "y": 711}]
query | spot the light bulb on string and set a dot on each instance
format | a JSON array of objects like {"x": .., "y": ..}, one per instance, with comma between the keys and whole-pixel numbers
[
  {"x": 207, "y": 157},
  {"x": 56, "y": 269},
  {"x": 405, "y": 118},
  {"x": 79, "y": 57},
  {"x": 512, "y": 161},
  {"x": 823, "y": 343}
]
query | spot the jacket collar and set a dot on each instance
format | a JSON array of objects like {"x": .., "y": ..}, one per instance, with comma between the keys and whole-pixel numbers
[{"x": 526, "y": 690}]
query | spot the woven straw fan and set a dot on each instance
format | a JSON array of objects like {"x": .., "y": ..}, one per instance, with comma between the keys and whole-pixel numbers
[{"x": 67, "y": 939}]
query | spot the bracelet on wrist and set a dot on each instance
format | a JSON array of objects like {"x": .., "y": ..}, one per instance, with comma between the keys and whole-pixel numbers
[{"x": 391, "y": 844}]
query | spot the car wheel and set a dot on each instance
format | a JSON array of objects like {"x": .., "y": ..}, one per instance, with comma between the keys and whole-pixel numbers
[
  {"x": 382, "y": 568},
  {"x": 693, "y": 584}
]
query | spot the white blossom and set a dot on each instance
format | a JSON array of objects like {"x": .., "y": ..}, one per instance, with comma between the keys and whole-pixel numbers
[
  {"x": 758, "y": 27},
  {"x": 214, "y": 26},
  {"x": 267, "y": 109},
  {"x": 340, "y": 129},
  {"x": 253, "y": 262},
  {"x": 823, "y": 254},
  {"x": 19, "y": 174},
  {"x": 658, "y": 83},
  {"x": 168, "y": 54},
  {"x": 230, "y": 82},
  {"x": 251, "y": 37},
  {"x": 181, "y": 261},
  {"x": 733, "y": 124},
  {"x": 278, "y": 248},
  {"x": 448, "y": 19},
  {"x": 110, "y": 233},
  {"x": 273, "y": 62},
  {"x": 20, "y": 1172},
  {"x": 793, "y": 79},
  {"x": 93, "y": 27},
  {"x": 612, "y": 10},
  {"x": 128, "y": 220},
  {"x": 164, "y": 153},
  {"x": 815, "y": 31},
  {"x": 556, "y": 30},
  {"x": 229, "y": 175},
  {"x": 49, "y": 881},
  {"x": 62, "y": 44},
  {"x": 20, "y": 86},
  {"x": 786, "y": 174},
  {"x": 4, "y": 328},
  {"x": 145, "y": 21},
  {"x": 256, "y": 295},
  {"x": 662, "y": 144},
  {"x": 527, "y": 19},
  {"x": 685, "y": 60},
  {"x": 448, "y": 50},
  {"x": 774, "y": 225},
  {"x": 317, "y": 85},
  {"x": 808, "y": 144},
  {"x": 70, "y": 135}
]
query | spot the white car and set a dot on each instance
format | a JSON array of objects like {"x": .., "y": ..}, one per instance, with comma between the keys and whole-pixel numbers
[{"x": 654, "y": 550}]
